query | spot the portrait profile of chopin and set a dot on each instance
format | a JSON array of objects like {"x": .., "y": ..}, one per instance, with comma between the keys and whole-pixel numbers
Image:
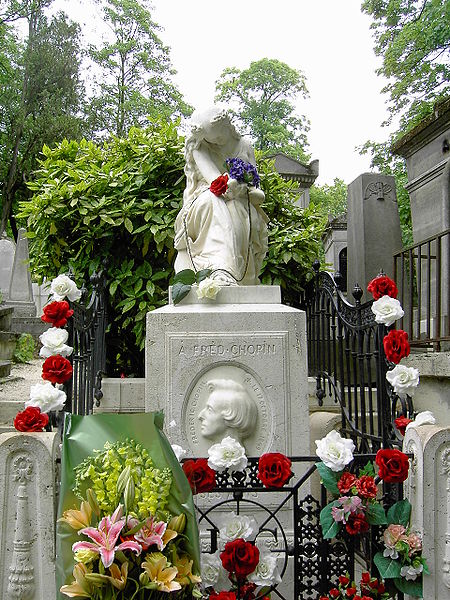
[{"x": 229, "y": 411}]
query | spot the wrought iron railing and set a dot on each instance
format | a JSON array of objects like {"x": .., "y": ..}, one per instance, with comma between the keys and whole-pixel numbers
[
  {"x": 422, "y": 273},
  {"x": 288, "y": 521},
  {"x": 346, "y": 356},
  {"x": 87, "y": 337}
]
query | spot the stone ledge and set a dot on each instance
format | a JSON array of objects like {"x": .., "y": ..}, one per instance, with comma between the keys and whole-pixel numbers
[
  {"x": 239, "y": 294},
  {"x": 430, "y": 364}
]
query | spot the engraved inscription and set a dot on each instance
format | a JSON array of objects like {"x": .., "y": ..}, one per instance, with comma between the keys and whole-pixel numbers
[{"x": 226, "y": 350}]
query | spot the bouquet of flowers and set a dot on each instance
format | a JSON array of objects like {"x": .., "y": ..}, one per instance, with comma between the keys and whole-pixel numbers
[
  {"x": 239, "y": 171},
  {"x": 369, "y": 588},
  {"x": 128, "y": 537}
]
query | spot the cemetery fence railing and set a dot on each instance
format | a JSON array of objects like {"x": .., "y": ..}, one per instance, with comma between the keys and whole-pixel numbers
[
  {"x": 422, "y": 273},
  {"x": 347, "y": 359},
  {"x": 87, "y": 330}
]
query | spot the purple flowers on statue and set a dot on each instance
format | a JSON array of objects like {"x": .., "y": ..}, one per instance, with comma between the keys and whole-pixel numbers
[{"x": 242, "y": 171}]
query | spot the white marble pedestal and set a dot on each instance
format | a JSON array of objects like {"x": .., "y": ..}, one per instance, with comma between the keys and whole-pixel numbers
[{"x": 246, "y": 335}]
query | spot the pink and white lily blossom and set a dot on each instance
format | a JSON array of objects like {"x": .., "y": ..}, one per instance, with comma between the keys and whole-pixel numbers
[
  {"x": 150, "y": 534},
  {"x": 104, "y": 538}
]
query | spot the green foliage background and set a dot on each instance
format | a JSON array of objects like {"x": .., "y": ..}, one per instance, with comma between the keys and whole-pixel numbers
[{"x": 118, "y": 202}]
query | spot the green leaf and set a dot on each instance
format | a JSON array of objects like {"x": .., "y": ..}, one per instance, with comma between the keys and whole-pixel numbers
[
  {"x": 330, "y": 528},
  {"x": 113, "y": 287},
  {"x": 399, "y": 513},
  {"x": 179, "y": 291},
  {"x": 129, "y": 305},
  {"x": 128, "y": 225},
  {"x": 187, "y": 276},
  {"x": 375, "y": 514},
  {"x": 367, "y": 470},
  {"x": 412, "y": 588},
  {"x": 329, "y": 478},
  {"x": 388, "y": 568},
  {"x": 201, "y": 275}
]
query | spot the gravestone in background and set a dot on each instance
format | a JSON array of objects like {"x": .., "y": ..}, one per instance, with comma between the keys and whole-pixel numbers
[
  {"x": 373, "y": 229},
  {"x": 7, "y": 250},
  {"x": 20, "y": 289}
]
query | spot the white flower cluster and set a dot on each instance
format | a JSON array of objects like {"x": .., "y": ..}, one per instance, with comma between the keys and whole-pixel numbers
[
  {"x": 228, "y": 454},
  {"x": 46, "y": 397},
  {"x": 208, "y": 288},
  {"x": 62, "y": 287},
  {"x": 335, "y": 451},
  {"x": 54, "y": 342}
]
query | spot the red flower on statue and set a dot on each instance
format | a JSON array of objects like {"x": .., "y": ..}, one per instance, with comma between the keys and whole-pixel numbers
[
  {"x": 240, "y": 557},
  {"x": 57, "y": 313},
  {"x": 382, "y": 286},
  {"x": 401, "y": 423},
  {"x": 396, "y": 345},
  {"x": 57, "y": 369},
  {"x": 220, "y": 185},
  {"x": 393, "y": 465},
  {"x": 200, "y": 475},
  {"x": 274, "y": 469},
  {"x": 31, "y": 419}
]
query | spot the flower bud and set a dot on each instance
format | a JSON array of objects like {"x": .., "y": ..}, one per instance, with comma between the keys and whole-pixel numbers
[
  {"x": 177, "y": 523},
  {"x": 144, "y": 579},
  {"x": 93, "y": 502},
  {"x": 122, "y": 480},
  {"x": 129, "y": 494}
]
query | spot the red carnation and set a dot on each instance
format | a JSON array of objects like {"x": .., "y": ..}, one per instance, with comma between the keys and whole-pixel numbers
[
  {"x": 31, "y": 419},
  {"x": 57, "y": 369},
  {"x": 401, "y": 423},
  {"x": 57, "y": 313},
  {"x": 240, "y": 557},
  {"x": 396, "y": 345},
  {"x": 346, "y": 482},
  {"x": 219, "y": 186},
  {"x": 200, "y": 475},
  {"x": 366, "y": 486},
  {"x": 393, "y": 465},
  {"x": 356, "y": 524},
  {"x": 274, "y": 469},
  {"x": 382, "y": 286}
]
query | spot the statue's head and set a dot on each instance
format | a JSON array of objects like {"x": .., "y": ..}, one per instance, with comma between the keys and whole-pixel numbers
[
  {"x": 229, "y": 410},
  {"x": 213, "y": 125}
]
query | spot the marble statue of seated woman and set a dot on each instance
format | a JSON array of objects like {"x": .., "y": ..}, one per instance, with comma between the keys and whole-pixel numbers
[{"x": 226, "y": 233}]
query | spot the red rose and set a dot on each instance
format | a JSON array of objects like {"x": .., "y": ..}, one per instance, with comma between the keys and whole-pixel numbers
[
  {"x": 350, "y": 592},
  {"x": 393, "y": 465},
  {"x": 366, "y": 486},
  {"x": 346, "y": 482},
  {"x": 240, "y": 557},
  {"x": 200, "y": 475},
  {"x": 219, "y": 186},
  {"x": 365, "y": 577},
  {"x": 334, "y": 593},
  {"x": 31, "y": 419},
  {"x": 57, "y": 313},
  {"x": 401, "y": 423},
  {"x": 57, "y": 369},
  {"x": 396, "y": 345},
  {"x": 274, "y": 469},
  {"x": 222, "y": 596},
  {"x": 382, "y": 286},
  {"x": 356, "y": 524},
  {"x": 344, "y": 580}
]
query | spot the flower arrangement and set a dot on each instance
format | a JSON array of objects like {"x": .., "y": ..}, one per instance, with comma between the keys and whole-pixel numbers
[
  {"x": 48, "y": 397},
  {"x": 239, "y": 171},
  {"x": 369, "y": 587},
  {"x": 131, "y": 545}
]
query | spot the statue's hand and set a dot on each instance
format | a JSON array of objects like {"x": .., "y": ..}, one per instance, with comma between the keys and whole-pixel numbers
[
  {"x": 235, "y": 190},
  {"x": 256, "y": 195}
]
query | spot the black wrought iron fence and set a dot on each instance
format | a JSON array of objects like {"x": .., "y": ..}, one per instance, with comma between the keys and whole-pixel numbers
[
  {"x": 346, "y": 356},
  {"x": 288, "y": 526},
  {"x": 422, "y": 273},
  {"x": 87, "y": 337}
]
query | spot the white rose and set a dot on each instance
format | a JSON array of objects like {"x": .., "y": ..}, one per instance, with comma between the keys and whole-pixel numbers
[
  {"x": 423, "y": 418},
  {"x": 266, "y": 572},
  {"x": 208, "y": 288},
  {"x": 229, "y": 454},
  {"x": 335, "y": 451},
  {"x": 387, "y": 310},
  {"x": 54, "y": 342},
  {"x": 410, "y": 573},
  {"x": 63, "y": 286},
  {"x": 236, "y": 526},
  {"x": 46, "y": 397},
  {"x": 404, "y": 380},
  {"x": 212, "y": 572},
  {"x": 178, "y": 451}
]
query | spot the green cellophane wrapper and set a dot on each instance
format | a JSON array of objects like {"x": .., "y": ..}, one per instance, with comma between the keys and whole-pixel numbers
[{"x": 83, "y": 435}]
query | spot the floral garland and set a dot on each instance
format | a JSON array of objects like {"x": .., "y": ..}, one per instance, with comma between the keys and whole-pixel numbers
[
  {"x": 49, "y": 397},
  {"x": 242, "y": 567},
  {"x": 369, "y": 588}
]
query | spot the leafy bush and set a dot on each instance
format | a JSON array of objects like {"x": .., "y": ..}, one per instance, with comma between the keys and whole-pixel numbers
[
  {"x": 25, "y": 347},
  {"x": 118, "y": 202}
]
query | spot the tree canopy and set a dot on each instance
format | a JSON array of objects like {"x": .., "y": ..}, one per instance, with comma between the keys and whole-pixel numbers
[
  {"x": 135, "y": 81},
  {"x": 262, "y": 98},
  {"x": 413, "y": 37}
]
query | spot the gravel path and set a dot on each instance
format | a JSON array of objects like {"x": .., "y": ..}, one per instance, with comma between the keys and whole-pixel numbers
[{"x": 23, "y": 375}]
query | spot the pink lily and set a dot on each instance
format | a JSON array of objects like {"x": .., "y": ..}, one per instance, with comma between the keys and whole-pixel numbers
[
  {"x": 151, "y": 533},
  {"x": 105, "y": 538}
]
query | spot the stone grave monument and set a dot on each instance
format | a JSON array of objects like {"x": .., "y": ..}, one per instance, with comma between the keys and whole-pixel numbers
[
  {"x": 7, "y": 250},
  {"x": 234, "y": 365},
  {"x": 20, "y": 294}
]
